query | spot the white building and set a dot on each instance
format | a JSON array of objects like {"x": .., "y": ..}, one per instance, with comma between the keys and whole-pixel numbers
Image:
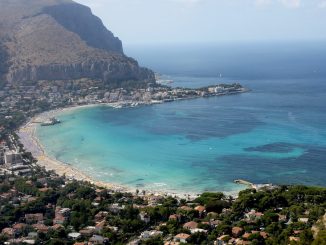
[{"x": 12, "y": 158}]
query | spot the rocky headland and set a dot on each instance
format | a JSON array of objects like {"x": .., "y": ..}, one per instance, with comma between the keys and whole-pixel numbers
[{"x": 61, "y": 40}]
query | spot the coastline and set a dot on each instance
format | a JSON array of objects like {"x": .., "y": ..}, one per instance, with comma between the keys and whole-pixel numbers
[{"x": 28, "y": 137}]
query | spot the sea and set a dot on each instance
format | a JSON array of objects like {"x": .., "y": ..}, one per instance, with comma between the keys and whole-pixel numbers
[{"x": 276, "y": 133}]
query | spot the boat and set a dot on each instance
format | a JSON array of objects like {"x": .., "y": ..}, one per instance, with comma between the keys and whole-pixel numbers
[{"x": 51, "y": 121}]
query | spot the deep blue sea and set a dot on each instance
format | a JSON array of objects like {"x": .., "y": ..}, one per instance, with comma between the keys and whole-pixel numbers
[{"x": 275, "y": 133}]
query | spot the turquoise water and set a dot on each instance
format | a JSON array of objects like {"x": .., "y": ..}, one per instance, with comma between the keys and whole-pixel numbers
[
  {"x": 276, "y": 133},
  {"x": 195, "y": 145}
]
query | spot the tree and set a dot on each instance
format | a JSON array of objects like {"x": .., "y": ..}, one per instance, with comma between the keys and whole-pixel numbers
[{"x": 207, "y": 197}]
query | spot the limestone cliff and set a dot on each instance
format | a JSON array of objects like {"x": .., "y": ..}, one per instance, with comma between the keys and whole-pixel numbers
[{"x": 61, "y": 40}]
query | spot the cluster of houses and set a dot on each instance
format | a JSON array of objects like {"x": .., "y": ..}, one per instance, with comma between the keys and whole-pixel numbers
[
  {"x": 238, "y": 235},
  {"x": 202, "y": 222},
  {"x": 11, "y": 160},
  {"x": 64, "y": 93},
  {"x": 38, "y": 223}
]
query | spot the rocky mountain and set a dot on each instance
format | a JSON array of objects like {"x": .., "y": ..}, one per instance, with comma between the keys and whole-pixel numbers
[{"x": 60, "y": 40}]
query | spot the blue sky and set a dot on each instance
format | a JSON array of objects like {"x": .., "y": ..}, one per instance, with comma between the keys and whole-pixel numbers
[{"x": 162, "y": 21}]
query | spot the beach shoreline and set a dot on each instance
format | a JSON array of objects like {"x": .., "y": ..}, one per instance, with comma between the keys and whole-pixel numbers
[{"x": 28, "y": 137}]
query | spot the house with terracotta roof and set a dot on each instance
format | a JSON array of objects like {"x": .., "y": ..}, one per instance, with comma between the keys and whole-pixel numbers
[
  {"x": 19, "y": 227},
  {"x": 176, "y": 217},
  {"x": 41, "y": 228},
  {"x": 201, "y": 210},
  {"x": 59, "y": 219},
  {"x": 190, "y": 225},
  {"x": 246, "y": 235},
  {"x": 237, "y": 231},
  {"x": 61, "y": 215},
  {"x": 8, "y": 232},
  {"x": 182, "y": 237}
]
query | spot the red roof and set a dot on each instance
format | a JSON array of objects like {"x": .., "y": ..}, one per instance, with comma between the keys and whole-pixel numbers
[
  {"x": 246, "y": 235},
  {"x": 200, "y": 209},
  {"x": 190, "y": 225},
  {"x": 174, "y": 217},
  {"x": 19, "y": 226},
  {"x": 236, "y": 230},
  {"x": 182, "y": 236},
  {"x": 40, "y": 227}
]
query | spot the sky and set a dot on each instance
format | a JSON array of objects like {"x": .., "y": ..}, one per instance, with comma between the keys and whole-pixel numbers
[{"x": 197, "y": 21}]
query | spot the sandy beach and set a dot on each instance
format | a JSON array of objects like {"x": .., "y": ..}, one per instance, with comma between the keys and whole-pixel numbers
[{"x": 27, "y": 134}]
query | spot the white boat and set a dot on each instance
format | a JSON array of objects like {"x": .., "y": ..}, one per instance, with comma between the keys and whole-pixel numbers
[{"x": 51, "y": 121}]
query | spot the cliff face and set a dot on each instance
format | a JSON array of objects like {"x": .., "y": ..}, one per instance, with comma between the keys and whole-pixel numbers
[
  {"x": 80, "y": 20},
  {"x": 106, "y": 70},
  {"x": 61, "y": 40}
]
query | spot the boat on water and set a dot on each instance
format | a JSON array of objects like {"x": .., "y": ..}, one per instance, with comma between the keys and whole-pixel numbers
[{"x": 51, "y": 121}]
